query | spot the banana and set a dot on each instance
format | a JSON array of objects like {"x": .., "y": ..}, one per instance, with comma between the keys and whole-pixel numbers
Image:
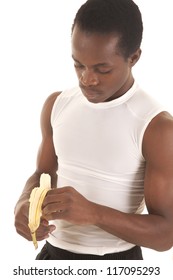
[{"x": 35, "y": 207}]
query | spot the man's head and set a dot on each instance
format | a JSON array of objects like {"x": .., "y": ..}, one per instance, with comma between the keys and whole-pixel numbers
[
  {"x": 119, "y": 17},
  {"x": 106, "y": 38}
]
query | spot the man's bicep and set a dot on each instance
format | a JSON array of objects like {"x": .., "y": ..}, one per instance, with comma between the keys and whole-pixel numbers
[
  {"x": 158, "y": 189},
  {"x": 46, "y": 159},
  {"x": 158, "y": 152}
]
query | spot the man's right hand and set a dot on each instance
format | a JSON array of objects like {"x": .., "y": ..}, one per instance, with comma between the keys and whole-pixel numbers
[{"x": 21, "y": 222}]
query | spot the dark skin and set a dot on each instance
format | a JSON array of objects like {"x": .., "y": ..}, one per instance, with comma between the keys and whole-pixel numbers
[{"x": 104, "y": 74}]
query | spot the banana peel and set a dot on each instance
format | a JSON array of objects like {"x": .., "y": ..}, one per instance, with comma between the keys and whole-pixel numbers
[{"x": 35, "y": 205}]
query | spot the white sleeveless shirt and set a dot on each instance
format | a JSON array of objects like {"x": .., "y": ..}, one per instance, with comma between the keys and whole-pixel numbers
[{"x": 99, "y": 150}]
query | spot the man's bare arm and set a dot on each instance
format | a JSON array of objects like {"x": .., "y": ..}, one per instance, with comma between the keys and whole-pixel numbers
[{"x": 46, "y": 163}]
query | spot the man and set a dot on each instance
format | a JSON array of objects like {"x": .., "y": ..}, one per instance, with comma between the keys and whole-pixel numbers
[{"x": 108, "y": 147}]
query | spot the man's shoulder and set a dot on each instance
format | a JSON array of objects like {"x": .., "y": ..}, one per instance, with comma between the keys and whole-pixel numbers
[
  {"x": 50, "y": 100},
  {"x": 159, "y": 133},
  {"x": 163, "y": 121}
]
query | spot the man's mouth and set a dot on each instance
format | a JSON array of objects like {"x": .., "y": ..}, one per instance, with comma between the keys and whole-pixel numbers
[{"x": 90, "y": 93}]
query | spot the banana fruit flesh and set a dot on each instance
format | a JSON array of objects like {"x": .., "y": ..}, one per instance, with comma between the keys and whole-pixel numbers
[{"x": 35, "y": 207}]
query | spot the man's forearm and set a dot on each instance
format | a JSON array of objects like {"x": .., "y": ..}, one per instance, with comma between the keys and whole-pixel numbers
[
  {"x": 31, "y": 183},
  {"x": 151, "y": 231}
]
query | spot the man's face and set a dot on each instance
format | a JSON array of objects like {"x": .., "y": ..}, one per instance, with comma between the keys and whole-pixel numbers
[{"x": 103, "y": 73}]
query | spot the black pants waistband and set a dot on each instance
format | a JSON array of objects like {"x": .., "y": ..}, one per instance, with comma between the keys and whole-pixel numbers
[{"x": 50, "y": 252}]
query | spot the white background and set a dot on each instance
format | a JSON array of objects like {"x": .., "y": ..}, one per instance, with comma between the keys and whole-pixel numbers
[{"x": 35, "y": 60}]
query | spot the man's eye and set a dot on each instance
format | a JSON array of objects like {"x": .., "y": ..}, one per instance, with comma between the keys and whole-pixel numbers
[
  {"x": 78, "y": 66},
  {"x": 104, "y": 71}
]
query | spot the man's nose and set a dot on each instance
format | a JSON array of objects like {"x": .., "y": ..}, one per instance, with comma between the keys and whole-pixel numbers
[{"x": 88, "y": 78}]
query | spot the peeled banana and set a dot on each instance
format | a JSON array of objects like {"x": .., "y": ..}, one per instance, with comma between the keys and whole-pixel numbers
[{"x": 35, "y": 207}]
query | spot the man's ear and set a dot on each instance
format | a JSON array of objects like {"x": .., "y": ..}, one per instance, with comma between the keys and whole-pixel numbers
[{"x": 135, "y": 57}]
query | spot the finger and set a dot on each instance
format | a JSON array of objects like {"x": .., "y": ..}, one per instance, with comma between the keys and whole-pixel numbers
[
  {"x": 54, "y": 198},
  {"x": 58, "y": 215},
  {"x": 59, "y": 193},
  {"x": 61, "y": 213},
  {"x": 52, "y": 208},
  {"x": 61, "y": 190},
  {"x": 43, "y": 221},
  {"x": 43, "y": 233}
]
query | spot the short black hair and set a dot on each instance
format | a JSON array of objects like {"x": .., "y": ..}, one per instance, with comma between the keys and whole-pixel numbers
[{"x": 121, "y": 17}]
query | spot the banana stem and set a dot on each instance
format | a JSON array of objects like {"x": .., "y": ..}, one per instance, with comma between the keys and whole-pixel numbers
[{"x": 33, "y": 234}]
